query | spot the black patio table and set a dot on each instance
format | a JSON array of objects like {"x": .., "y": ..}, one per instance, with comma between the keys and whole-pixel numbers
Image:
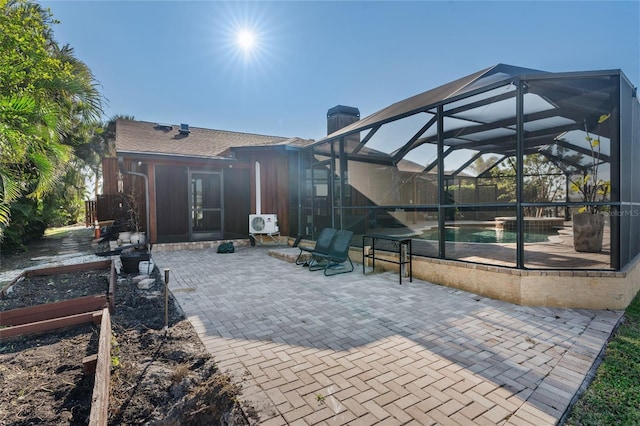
[{"x": 396, "y": 245}]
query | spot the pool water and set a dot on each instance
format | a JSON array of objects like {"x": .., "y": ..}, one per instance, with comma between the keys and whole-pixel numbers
[{"x": 484, "y": 235}]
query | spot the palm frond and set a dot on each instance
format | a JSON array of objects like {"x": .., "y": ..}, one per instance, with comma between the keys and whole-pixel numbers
[
  {"x": 17, "y": 104},
  {"x": 9, "y": 192}
]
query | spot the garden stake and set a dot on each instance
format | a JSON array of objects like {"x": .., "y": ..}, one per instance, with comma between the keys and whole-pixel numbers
[{"x": 166, "y": 299}]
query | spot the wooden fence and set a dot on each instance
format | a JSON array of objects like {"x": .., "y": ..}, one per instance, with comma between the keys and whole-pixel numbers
[{"x": 90, "y": 212}]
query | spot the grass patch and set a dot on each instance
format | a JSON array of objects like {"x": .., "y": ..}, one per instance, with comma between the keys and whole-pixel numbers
[
  {"x": 613, "y": 398},
  {"x": 63, "y": 231}
]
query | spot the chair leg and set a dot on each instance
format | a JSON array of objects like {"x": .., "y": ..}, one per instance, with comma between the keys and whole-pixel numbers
[
  {"x": 315, "y": 265},
  {"x": 341, "y": 271}
]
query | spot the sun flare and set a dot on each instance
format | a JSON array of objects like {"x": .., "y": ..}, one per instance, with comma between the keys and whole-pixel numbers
[{"x": 246, "y": 40}]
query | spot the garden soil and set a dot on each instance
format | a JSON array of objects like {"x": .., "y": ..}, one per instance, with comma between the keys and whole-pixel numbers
[{"x": 158, "y": 376}]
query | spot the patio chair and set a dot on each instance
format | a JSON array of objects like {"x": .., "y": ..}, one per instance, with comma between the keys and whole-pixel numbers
[
  {"x": 334, "y": 262},
  {"x": 296, "y": 242},
  {"x": 322, "y": 245}
]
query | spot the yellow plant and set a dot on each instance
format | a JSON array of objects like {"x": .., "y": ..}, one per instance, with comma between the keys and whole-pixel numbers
[{"x": 590, "y": 186}]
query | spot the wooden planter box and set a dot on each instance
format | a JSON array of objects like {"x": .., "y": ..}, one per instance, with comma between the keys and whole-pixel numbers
[{"x": 49, "y": 316}]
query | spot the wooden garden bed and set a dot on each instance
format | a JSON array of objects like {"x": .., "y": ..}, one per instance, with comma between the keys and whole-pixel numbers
[
  {"x": 49, "y": 316},
  {"x": 93, "y": 308},
  {"x": 74, "y": 375},
  {"x": 100, "y": 397}
]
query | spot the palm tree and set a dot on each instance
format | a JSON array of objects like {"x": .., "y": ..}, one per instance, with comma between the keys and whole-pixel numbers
[
  {"x": 49, "y": 103},
  {"x": 101, "y": 144}
]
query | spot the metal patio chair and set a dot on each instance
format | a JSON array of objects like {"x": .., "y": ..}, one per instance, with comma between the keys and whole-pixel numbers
[
  {"x": 334, "y": 261},
  {"x": 322, "y": 245}
]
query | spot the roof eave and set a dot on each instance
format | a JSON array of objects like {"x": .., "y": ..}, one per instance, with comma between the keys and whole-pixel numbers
[
  {"x": 266, "y": 148},
  {"x": 169, "y": 156}
]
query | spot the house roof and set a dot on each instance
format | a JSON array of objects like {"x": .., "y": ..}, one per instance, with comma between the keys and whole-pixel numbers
[{"x": 144, "y": 137}]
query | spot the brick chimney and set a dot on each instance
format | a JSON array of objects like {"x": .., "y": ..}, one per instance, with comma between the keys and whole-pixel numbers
[{"x": 341, "y": 116}]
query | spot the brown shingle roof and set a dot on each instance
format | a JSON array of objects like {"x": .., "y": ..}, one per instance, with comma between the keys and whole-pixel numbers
[{"x": 151, "y": 138}]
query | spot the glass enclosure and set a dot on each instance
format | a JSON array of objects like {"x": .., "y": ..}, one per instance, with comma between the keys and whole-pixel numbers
[{"x": 493, "y": 168}]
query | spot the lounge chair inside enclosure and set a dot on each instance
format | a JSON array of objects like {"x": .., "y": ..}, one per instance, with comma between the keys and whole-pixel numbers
[
  {"x": 334, "y": 262},
  {"x": 322, "y": 244}
]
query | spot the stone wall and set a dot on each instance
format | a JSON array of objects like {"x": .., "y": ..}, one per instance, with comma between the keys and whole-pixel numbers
[{"x": 556, "y": 288}]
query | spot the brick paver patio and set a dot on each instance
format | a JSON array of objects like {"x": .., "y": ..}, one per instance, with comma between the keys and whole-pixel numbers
[{"x": 361, "y": 350}]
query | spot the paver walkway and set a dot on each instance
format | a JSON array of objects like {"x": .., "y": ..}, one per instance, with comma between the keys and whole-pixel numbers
[{"x": 361, "y": 350}]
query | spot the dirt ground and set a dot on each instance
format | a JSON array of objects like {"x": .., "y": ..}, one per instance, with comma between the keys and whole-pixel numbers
[{"x": 158, "y": 376}]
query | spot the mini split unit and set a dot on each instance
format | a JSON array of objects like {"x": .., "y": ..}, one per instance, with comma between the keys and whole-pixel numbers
[{"x": 263, "y": 224}]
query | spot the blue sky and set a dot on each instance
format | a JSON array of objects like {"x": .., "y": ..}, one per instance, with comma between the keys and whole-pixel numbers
[{"x": 178, "y": 62}]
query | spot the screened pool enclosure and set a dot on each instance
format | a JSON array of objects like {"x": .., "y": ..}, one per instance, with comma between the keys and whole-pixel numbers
[{"x": 490, "y": 169}]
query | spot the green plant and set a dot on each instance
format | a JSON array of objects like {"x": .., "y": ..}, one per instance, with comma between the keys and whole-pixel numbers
[
  {"x": 115, "y": 350},
  {"x": 49, "y": 100},
  {"x": 591, "y": 188},
  {"x": 115, "y": 361},
  {"x": 133, "y": 209}
]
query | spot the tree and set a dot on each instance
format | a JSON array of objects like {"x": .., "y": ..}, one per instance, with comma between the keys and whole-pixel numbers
[
  {"x": 483, "y": 163},
  {"x": 49, "y": 104},
  {"x": 100, "y": 144},
  {"x": 543, "y": 181}
]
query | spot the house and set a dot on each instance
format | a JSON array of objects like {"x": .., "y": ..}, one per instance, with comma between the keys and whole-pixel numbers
[
  {"x": 484, "y": 174},
  {"x": 200, "y": 183}
]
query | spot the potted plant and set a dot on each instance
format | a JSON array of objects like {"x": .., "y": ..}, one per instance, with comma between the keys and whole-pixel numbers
[
  {"x": 588, "y": 223},
  {"x": 131, "y": 257},
  {"x": 133, "y": 209}
]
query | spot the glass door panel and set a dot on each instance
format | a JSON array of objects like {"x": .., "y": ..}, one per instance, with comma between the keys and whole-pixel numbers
[
  {"x": 206, "y": 206},
  {"x": 321, "y": 197}
]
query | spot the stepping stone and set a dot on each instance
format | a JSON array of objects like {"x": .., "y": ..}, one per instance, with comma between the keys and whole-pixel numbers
[
  {"x": 146, "y": 283},
  {"x": 139, "y": 278}
]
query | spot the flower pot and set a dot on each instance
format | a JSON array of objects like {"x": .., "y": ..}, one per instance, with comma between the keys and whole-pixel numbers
[
  {"x": 124, "y": 237},
  {"x": 138, "y": 238},
  {"x": 146, "y": 267},
  {"x": 588, "y": 230},
  {"x": 131, "y": 260}
]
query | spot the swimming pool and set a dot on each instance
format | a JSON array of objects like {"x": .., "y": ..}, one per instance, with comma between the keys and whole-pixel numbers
[{"x": 485, "y": 235}]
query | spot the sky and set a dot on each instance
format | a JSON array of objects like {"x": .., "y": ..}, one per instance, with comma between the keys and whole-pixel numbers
[{"x": 181, "y": 62}]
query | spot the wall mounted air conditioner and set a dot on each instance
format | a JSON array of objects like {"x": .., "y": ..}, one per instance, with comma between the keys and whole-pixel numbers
[{"x": 263, "y": 224}]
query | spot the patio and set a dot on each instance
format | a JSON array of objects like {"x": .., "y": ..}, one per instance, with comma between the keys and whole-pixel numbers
[{"x": 360, "y": 349}]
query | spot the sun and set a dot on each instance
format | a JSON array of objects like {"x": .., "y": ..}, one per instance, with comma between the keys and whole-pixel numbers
[
  {"x": 246, "y": 40},
  {"x": 246, "y": 37}
]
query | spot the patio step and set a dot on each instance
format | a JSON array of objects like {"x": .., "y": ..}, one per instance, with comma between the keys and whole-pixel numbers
[{"x": 289, "y": 254}]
